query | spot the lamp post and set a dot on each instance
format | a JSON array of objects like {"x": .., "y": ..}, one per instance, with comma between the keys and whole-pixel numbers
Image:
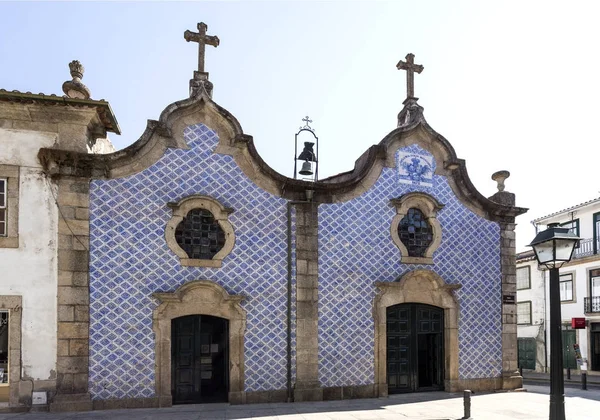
[
  {"x": 553, "y": 248},
  {"x": 308, "y": 155}
]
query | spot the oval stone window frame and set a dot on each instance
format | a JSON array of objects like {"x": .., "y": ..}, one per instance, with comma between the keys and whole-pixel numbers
[
  {"x": 221, "y": 216},
  {"x": 429, "y": 206}
]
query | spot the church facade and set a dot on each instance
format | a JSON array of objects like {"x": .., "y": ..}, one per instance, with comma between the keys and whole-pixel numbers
[{"x": 196, "y": 273}]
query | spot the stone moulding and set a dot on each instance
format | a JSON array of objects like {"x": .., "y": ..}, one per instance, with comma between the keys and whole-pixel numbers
[
  {"x": 102, "y": 108},
  {"x": 220, "y": 213},
  {"x": 167, "y": 132},
  {"x": 11, "y": 174},
  {"x": 13, "y": 304},
  {"x": 417, "y": 286},
  {"x": 429, "y": 206},
  {"x": 198, "y": 297}
]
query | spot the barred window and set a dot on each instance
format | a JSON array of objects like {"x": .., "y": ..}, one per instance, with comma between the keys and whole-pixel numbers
[
  {"x": 523, "y": 278},
  {"x": 415, "y": 232},
  {"x": 3, "y": 200},
  {"x": 200, "y": 235},
  {"x": 524, "y": 313}
]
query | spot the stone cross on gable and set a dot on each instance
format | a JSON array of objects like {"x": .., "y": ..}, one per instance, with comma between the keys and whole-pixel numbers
[
  {"x": 410, "y": 67},
  {"x": 202, "y": 39}
]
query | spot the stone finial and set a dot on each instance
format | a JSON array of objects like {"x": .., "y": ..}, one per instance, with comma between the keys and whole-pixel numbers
[
  {"x": 75, "y": 88},
  {"x": 500, "y": 177},
  {"x": 502, "y": 197},
  {"x": 411, "y": 113}
]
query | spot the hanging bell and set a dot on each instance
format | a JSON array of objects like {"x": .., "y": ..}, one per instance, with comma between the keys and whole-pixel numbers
[
  {"x": 308, "y": 153},
  {"x": 306, "y": 168}
]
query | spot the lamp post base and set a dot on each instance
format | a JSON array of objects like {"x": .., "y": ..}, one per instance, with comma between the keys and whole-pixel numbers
[{"x": 557, "y": 407}]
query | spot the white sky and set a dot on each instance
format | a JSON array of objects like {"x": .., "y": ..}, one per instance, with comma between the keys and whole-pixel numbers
[{"x": 511, "y": 84}]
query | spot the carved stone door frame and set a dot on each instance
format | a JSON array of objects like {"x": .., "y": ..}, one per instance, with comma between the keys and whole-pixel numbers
[
  {"x": 14, "y": 304},
  {"x": 417, "y": 286},
  {"x": 199, "y": 297}
]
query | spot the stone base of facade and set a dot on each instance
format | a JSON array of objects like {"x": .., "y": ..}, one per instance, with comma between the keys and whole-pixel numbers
[
  {"x": 114, "y": 404},
  {"x": 308, "y": 391},
  {"x": 512, "y": 381},
  {"x": 257, "y": 397},
  {"x": 349, "y": 392},
  {"x": 484, "y": 384},
  {"x": 17, "y": 409},
  {"x": 82, "y": 402},
  {"x": 71, "y": 402},
  {"x": 304, "y": 394}
]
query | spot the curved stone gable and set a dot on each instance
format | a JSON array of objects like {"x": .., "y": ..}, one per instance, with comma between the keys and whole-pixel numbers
[{"x": 167, "y": 132}]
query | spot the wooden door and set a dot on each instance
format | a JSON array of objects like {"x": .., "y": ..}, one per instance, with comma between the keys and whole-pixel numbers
[
  {"x": 568, "y": 339},
  {"x": 415, "y": 348},
  {"x": 527, "y": 352},
  {"x": 199, "y": 358},
  {"x": 595, "y": 346}
]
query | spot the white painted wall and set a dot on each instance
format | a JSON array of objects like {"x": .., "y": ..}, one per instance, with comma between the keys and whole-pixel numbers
[
  {"x": 30, "y": 270},
  {"x": 538, "y": 308}
]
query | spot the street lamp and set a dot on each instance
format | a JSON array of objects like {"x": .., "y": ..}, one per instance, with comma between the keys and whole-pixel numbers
[{"x": 553, "y": 248}]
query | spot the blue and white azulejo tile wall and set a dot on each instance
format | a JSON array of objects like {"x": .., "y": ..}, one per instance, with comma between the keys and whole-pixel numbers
[
  {"x": 130, "y": 260},
  {"x": 356, "y": 250}
]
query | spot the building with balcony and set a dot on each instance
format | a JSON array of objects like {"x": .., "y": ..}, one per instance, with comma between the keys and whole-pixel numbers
[{"x": 579, "y": 294}]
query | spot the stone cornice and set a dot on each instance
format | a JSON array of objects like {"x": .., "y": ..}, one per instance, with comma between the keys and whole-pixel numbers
[
  {"x": 160, "y": 135},
  {"x": 102, "y": 108}
]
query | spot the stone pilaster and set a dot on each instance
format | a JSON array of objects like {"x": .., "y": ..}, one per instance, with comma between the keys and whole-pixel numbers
[
  {"x": 511, "y": 378},
  {"x": 73, "y": 296},
  {"x": 308, "y": 387}
]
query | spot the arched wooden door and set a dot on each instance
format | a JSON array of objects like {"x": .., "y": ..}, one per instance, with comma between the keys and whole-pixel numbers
[
  {"x": 200, "y": 359},
  {"x": 415, "y": 348}
]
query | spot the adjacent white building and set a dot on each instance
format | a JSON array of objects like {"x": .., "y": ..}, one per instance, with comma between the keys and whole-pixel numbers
[
  {"x": 30, "y": 229},
  {"x": 579, "y": 290}
]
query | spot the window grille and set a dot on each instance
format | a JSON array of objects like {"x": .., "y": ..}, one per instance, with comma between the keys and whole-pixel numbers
[
  {"x": 200, "y": 235},
  {"x": 415, "y": 232},
  {"x": 3, "y": 203}
]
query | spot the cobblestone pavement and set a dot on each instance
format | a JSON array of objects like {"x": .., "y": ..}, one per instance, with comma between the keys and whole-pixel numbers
[{"x": 532, "y": 405}]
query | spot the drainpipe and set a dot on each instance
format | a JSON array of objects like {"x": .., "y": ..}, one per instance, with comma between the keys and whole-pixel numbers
[{"x": 289, "y": 204}]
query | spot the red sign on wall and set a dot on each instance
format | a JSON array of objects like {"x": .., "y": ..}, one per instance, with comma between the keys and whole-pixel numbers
[{"x": 578, "y": 323}]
